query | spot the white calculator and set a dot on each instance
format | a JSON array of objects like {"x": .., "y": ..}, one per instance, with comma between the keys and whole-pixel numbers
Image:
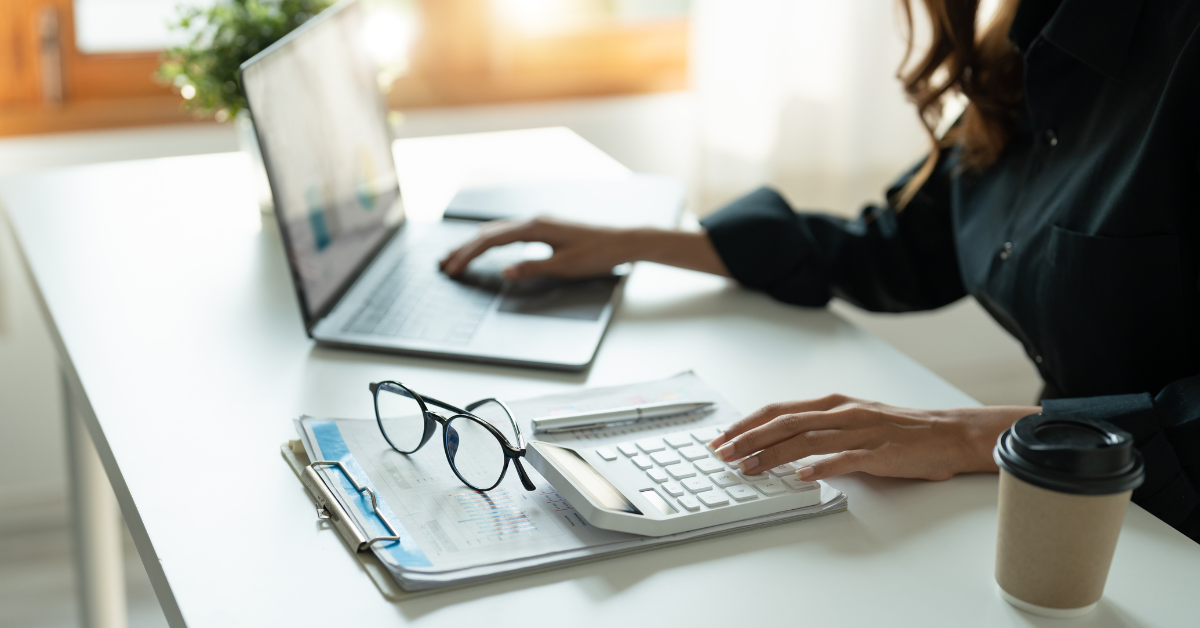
[{"x": 666, "y": 484}]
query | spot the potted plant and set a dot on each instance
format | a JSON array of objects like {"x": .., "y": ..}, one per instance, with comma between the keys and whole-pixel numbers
[{"x": 221, "y": 38}]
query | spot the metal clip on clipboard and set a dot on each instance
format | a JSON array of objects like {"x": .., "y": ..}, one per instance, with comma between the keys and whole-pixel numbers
[{"x": 330, "y": 509}]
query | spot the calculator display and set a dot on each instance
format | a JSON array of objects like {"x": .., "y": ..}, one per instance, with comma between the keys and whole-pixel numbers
[{"x": 584, "y": 476}]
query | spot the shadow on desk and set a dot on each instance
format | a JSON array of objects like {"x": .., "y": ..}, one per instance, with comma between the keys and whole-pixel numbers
[
  {"x": 722, "y": 299},
  {"x": 1107, "y": 614},
  {"x": 849, "y": 535},
  {"x": 434, "y": 364}
]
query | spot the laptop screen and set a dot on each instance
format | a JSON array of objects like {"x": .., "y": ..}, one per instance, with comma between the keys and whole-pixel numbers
[{"x": 322, "y": 126}]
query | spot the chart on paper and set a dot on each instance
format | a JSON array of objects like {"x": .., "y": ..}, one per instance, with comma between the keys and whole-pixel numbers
[
  {"x": 457, "y": 527},
  {"x": 489, "y": 516}
]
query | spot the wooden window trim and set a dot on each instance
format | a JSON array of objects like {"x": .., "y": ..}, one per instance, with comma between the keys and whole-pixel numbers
[
  {"x": 626, "y": 59},
  {"x": 98, "y": 90},
  {"x": 463, "y": 57}
]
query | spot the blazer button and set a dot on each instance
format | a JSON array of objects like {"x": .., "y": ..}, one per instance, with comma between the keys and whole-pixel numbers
[
  {"x": 1006, "y": 250},
  {"x": 1037, "y": 358},
  {"x": 1051, "y": 137}
]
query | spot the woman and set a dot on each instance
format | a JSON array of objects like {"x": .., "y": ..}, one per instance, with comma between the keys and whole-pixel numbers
[{"x": 1066, "y": 200}]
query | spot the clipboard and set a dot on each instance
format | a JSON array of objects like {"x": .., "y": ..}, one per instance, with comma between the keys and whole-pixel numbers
[
  {"x": 331, "y": 484},
  {"x": 331, "y": 510}
]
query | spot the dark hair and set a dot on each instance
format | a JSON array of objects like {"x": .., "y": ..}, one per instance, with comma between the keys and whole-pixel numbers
[{"x": 987, "y": 69}]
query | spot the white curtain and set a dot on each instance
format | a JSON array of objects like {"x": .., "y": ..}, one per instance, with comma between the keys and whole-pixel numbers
[{"x": 801, "y": 95}]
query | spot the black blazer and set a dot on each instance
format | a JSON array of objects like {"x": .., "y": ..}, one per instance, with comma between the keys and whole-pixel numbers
[{"x": 1082, "y": 240}]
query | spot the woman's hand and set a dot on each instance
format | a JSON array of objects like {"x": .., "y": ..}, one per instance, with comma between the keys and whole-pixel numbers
[
  {"x": 585, "y": 250},
  {"x": 868, "y": 436},
  {"x": 579, "y": 250}
]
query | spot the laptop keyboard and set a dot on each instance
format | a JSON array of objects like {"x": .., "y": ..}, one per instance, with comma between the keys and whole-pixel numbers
[{"x": 415, "y": 300}]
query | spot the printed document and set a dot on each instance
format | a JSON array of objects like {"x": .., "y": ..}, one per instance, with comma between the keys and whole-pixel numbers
[{"x": 451, "y": 533}]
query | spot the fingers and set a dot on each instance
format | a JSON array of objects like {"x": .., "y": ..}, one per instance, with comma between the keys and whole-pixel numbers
[
  {"x": 842, "y": 463},
  {"x": 533, "y": 268},
  {"x": 801, "y": 425},
  {"x": 494, "y": 234},
  {"x": 824, "y": 441},
  {"x": 773, "y": 410}
]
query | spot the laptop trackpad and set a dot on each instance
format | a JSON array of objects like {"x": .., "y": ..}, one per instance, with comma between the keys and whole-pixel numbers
[{"x": 579, "y": 299}]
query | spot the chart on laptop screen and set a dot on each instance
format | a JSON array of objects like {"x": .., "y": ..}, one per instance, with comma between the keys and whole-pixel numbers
[{"x": 321, "y": 124}]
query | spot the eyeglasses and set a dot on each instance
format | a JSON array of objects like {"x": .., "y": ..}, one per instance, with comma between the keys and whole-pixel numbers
[{"x": 474, "y": 439}]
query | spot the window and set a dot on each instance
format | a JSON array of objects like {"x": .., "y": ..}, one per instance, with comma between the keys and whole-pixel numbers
[
  {"x": 83, "y": 64},
  {"x": 127, "y": 26},
  {"x": 471, "y": 51}
]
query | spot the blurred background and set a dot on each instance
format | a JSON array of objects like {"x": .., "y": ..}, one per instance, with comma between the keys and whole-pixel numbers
[{"x": 725, "y": 94}]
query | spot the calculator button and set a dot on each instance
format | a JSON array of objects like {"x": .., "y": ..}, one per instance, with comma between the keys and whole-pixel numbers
[
  {"x": 724, "y": 479},
  {"x": 673, "y": 489},
  {"x": 606, "y": 453},
  {"x": 772, "y": 487},
  {"x": 786, "y": 468},
  {"x": 628, "y": 449},
  {"x": 709, "y": 465},
  {"x": 680, "y": 471},
  {"x": 642, "y": 462},
  {"x": 697, "y": 485},
  {"x": 754, "y": 478},
  {"x": 796, "y": 483},
  {"x": 694, "y": 452},
  {"x": 658, "y": 475},
  {"x": 678, "y": 440},
  {"x": 705, "y": 435},
  {"x": 651, "y": 445},
  {"x": 713, "y": 499},
  {"x": 689, "y": 502},
  {"x": 664, "y": 458},
  {"x": 741, "y": 492}
]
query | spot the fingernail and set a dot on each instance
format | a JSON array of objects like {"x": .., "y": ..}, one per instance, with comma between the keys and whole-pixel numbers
[
  {"x": 804, "y": 472},
  {"x": 725, "y": 452},
  {"x": 716, "y": 442},
  {"x": 749, "y": 465}
]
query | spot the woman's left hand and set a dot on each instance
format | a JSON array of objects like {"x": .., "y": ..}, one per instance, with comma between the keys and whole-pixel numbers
[{"x": 867, "y": 436}]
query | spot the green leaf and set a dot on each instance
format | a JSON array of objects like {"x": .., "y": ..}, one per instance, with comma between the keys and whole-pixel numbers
[{"x": 221, "y": 38}]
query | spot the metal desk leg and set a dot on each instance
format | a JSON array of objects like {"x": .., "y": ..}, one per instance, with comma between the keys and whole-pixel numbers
[{"x": 96, "y": 519}]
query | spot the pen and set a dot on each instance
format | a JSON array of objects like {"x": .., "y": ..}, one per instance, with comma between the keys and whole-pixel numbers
[{"x": 616, "y": 416}]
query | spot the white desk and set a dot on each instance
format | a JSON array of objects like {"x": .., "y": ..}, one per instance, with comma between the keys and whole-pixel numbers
[{"x": 182, "y": 344}]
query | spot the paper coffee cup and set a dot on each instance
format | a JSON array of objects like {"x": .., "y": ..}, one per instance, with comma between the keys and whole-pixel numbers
[{"x": 1064, "y": 488}]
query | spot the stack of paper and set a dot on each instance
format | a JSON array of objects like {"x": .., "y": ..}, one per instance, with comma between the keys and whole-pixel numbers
[{"x": 453, "y": 535}]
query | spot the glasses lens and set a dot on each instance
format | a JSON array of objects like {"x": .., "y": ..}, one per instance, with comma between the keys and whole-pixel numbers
[
  {"x": 494, "y": 413},
  {"x": 474, "y": 452},
  {"x": 400, "y": 417}
]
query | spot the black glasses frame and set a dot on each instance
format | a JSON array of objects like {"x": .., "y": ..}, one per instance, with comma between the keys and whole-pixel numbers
[{"x": 432, "y": 419}]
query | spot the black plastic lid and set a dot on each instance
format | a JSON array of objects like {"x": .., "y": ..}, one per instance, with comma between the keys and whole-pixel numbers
[{"x": 1070, "y": 455}]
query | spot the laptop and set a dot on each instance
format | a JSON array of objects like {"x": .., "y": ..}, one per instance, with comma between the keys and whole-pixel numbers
[{"x": 368, "y": 279}]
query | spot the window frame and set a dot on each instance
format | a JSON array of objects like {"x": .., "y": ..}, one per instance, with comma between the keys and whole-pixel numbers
[{"x": 463, "y": 56}]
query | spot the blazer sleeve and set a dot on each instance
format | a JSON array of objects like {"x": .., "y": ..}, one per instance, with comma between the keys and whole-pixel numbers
[
  {"x": 884, "y": 261},
  {"x": 1166, "y": 430}
]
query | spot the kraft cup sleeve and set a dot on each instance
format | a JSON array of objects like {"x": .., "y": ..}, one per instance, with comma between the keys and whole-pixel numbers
[{"x": 1054, "y": 549}]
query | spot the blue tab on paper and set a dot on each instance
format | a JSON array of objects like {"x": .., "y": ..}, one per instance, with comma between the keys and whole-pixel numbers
[{"x": 332, "y": 446}]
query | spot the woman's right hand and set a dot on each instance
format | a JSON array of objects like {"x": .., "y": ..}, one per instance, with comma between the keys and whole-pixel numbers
[
  {"x": 588, "y": 251},
  {"x": 579, "y": 250}
]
